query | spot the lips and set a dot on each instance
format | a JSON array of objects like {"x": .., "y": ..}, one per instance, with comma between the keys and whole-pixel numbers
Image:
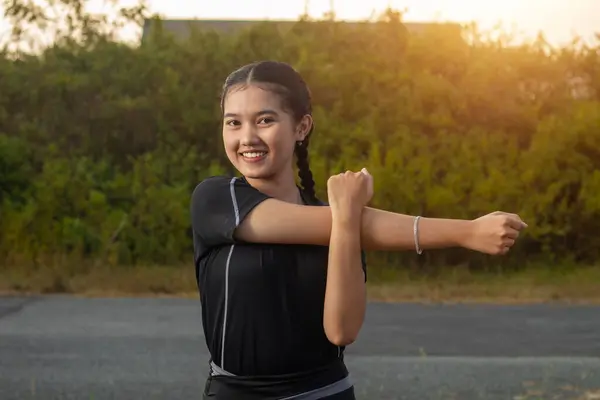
[{"x": 254, "y": 154}]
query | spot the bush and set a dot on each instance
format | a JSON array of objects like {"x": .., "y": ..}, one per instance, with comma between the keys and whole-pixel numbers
[{"x": 103, "y": 143}]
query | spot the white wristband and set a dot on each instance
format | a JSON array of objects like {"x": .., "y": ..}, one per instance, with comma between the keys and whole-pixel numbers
[{"x": 418, "y": 249}]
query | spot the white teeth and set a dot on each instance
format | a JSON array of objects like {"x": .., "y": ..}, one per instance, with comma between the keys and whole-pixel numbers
[{"x": 254, "y": 154}]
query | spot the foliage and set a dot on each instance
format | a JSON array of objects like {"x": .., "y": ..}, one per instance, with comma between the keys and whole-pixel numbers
[{"x": 101, "y": 143}]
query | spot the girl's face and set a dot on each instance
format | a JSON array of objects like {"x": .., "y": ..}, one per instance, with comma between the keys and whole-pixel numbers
[{"x": 258, "y": 135}]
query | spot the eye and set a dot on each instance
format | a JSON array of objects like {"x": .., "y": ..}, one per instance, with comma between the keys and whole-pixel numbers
[
  {"x": 232, "y": 122},
  {"x": 266, "y": 120}
]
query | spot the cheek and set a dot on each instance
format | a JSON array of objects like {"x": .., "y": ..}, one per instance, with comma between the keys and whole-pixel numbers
[
  {"x": 229, "y": 143},
  {"x": 279, "y": 139}
]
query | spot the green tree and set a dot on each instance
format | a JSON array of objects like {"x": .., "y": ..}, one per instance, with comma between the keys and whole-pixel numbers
[{"x": 102, "y": 142}]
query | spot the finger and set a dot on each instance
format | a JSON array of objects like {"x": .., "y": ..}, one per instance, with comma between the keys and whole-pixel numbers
[
  {"x": 508, "y": 242},
  {"x": 365, "y": 171},
  {"x": 520, "y": 219},
  {"x": 515, "y": 223},
  {"x": 510, "y": 233},
  {"x": 512, "y": 219}
]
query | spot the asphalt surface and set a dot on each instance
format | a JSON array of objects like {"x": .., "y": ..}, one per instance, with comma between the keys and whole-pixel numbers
[{"x": 72, "y": 348}]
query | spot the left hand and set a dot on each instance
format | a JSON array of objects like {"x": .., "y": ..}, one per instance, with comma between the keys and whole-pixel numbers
[{"x": 494, "y": 233}]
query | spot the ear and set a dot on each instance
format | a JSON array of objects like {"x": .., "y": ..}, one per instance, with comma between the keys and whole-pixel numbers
[{"x": 303, "y": 127}]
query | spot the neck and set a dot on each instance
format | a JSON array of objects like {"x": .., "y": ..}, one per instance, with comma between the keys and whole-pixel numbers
[{"x": 282, "y": 187}]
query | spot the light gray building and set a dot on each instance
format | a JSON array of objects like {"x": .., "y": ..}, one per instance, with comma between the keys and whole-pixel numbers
[{"x": 183, "y": 27}]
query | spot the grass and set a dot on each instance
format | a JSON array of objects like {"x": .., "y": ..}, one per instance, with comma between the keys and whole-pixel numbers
[{"x": 534, "y": 285}]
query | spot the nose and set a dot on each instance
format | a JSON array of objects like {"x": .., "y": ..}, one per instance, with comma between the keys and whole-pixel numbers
[{"x": 249, "y": 136}]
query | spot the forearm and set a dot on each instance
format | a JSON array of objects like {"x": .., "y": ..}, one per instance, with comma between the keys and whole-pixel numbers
[
  {"x": 345, "y": 294},
  {"x": 383, "y": 230}
]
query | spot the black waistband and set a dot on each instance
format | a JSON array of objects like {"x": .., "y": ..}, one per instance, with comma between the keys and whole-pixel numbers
[{"x": 333, "y": 376}]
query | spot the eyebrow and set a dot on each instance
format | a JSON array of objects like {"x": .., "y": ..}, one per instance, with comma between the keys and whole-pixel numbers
[{"x": 261, "y": 112}]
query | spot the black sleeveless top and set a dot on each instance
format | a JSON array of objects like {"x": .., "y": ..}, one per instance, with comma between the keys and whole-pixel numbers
[{"x": 262, "y": 304}]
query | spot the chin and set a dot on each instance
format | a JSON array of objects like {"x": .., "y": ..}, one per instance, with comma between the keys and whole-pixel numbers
[
  {"x": 250, "y": 174},
  {"x": 255, "y": 172}
]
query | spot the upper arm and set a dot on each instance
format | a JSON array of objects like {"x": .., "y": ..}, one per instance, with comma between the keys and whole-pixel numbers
[
  {"x": 275, "y": 221},
  {"x": 228, "y": 209}
]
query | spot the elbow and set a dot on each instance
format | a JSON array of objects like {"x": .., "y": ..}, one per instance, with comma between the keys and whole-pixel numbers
[
  {"x": 341, "y": 337},
  {"x": 342, "y": 329}
]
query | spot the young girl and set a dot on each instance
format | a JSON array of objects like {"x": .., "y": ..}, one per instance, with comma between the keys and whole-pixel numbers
[{"x": 282, "y": 275}]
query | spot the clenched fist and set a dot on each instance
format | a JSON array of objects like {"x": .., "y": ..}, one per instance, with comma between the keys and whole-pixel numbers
[
  {"x": 494, "y": 233},
  {"x": 349, "y": 192}
]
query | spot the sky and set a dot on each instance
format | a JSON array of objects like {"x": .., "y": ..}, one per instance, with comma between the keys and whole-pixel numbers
[{"x": 560, "y": 20}]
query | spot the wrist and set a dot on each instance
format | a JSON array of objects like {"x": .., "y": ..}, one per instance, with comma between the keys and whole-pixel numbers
[
  {"x": 346, "y": 219},
  {"x": 463, "y": 233},
  {"x": 443, "y": 233}
]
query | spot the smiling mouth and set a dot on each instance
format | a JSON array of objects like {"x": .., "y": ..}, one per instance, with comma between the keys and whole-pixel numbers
[{"x": 253, "y": 155}]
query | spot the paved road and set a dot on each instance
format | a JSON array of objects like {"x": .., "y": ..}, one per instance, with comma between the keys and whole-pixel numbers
[{"x": 69, "y": 348}]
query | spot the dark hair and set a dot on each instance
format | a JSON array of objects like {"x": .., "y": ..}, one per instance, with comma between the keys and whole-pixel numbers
[{"x": 283, "y": 79}]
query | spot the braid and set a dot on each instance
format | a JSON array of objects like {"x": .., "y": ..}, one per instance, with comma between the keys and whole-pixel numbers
[{"x": 304, "y": 172}]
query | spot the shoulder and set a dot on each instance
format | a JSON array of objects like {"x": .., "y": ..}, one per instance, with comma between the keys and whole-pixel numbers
[
  {"x": 208, "y": 185},
  {"x": 211, "y": 191},
  {"x": 217, "y": 187},
  {"x": 219, "y": 193}
]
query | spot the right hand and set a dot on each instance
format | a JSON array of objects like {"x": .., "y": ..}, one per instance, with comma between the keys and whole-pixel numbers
[
  {"x": 494, "y": 233},
  {"x": 350, "y": 192}
]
